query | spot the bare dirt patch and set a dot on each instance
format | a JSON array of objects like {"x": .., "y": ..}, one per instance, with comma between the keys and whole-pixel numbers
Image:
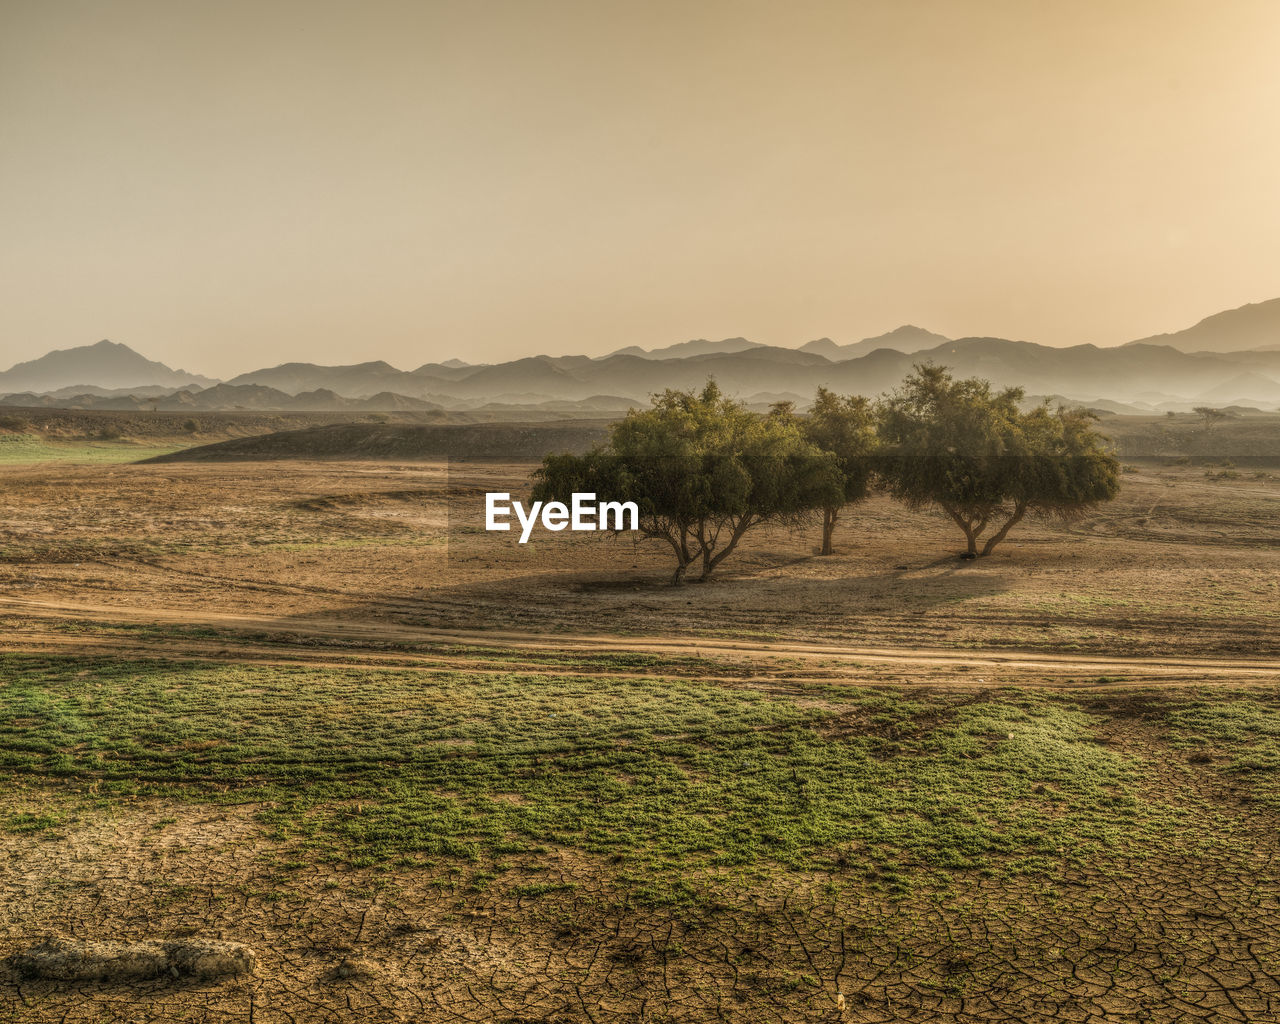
[{"x": 1180, "y": 564}]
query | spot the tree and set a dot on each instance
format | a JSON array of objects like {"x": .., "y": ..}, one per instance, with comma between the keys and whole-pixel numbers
[
  {"x": 846, "y": 427},
  {"x": 703, "y": 470},
  {"x": 972, "y": 452},
  {"x": 1210, "y": 417}
]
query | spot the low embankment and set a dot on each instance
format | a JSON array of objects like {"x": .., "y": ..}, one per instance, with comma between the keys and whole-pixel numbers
[{"x": 400, "y": 441}]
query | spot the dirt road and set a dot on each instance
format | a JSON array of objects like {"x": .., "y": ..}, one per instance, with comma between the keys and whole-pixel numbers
[{"x": 86, "y": 628}]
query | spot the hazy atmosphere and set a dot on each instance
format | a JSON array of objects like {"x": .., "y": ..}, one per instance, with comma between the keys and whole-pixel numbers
[
  {"x": 233, "y": 185},
  {"x": 596, "y": 513}
]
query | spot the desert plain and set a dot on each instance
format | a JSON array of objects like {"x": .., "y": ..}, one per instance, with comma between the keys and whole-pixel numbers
[{"x": 427, "y": 774}]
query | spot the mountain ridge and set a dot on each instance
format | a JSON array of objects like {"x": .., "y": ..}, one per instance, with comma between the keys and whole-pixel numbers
[
  {"x": 1189, "y": 365},
  {"x": 1253, "y": 326}
]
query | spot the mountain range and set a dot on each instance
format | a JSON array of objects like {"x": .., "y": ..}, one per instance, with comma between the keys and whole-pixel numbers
[{"x": 1231, "y": 358}]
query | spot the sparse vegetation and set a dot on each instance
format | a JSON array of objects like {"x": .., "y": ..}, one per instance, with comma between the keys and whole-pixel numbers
[
  {"x": 26, "y": 448},
  {"x": 664, "y": 773},
  {"x": 1210, "y": 417},
  {"x": 741, "y": 798},
  {"x": 608, "y": 818}
]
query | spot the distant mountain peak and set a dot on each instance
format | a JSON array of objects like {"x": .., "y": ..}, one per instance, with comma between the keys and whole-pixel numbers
[
  {"x": 685, "y": 349},
  {"x": 104, "y": 364},
  {"x": 907, "y": 339}
]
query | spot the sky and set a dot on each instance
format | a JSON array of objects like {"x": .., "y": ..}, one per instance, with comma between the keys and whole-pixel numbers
[{"x": 231, "y": 185}]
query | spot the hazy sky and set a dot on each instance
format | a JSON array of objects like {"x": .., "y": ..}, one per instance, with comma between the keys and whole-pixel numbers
[{"x": 225, "y": 185}]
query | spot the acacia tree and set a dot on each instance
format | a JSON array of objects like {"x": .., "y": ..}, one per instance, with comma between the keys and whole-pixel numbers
[
  {"x": 971, "y": 452},
  {"x": 846, "y": 427},
  {"x": 1210, "y": 417},
  {"x": 703, "y": 470}
]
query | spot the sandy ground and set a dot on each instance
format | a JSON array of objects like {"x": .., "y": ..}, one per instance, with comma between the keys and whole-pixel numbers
[
  {"x": 1179, "y": 564},
  {"x": 1175, "y": 584}
]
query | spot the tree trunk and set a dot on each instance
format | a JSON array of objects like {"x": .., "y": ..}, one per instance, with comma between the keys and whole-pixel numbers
[
  {"x": 680, "y": 545},
  {"x": 706, "y": 545},
  {"x": 1003, "y": 532},
  {"x": 971, "y": 531},
  {"x": 970, "y": 535},
  {"x": 829, "y": 516},
  {"x": 709, "y": 563}
]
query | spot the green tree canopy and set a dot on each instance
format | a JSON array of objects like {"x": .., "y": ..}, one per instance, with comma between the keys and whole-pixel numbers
[
  {"x": 846, "y": 427},
  {"x": 703, "y": 470},
  {"x": 973, "y": 453}
]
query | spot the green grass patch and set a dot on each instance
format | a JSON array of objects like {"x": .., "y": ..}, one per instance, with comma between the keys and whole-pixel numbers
[
  {"x": 26, "y": 449},
  {"x": 662, "y": 775},
  {"x": 1238, "y": 732},
  {"x": 25, "y": 822}
]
